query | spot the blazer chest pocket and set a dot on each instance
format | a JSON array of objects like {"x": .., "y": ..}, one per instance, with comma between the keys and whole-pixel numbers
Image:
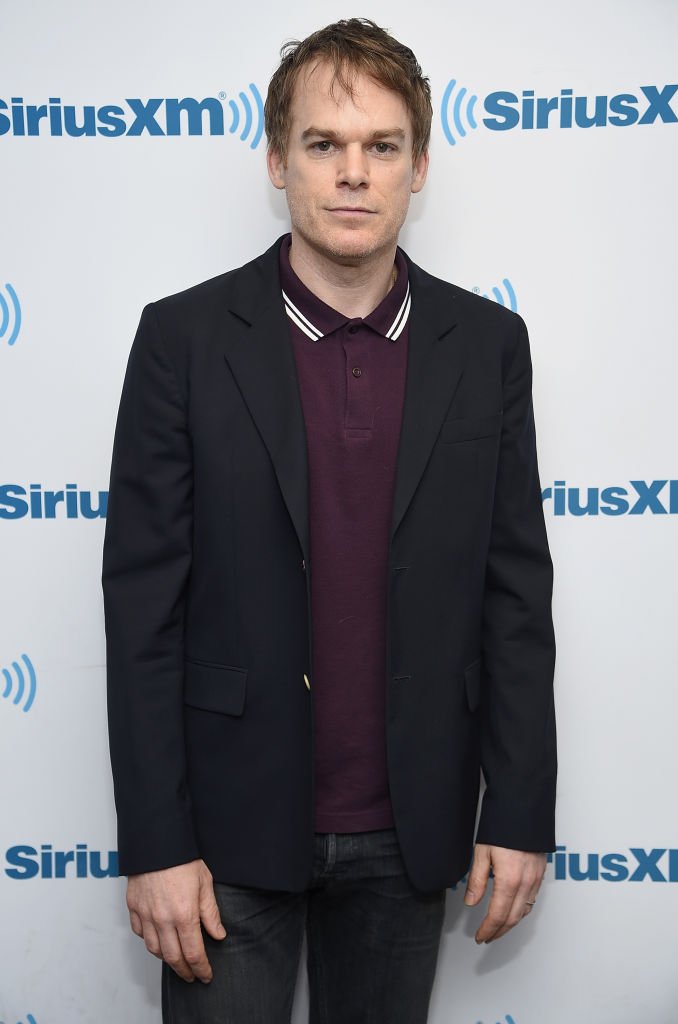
[
  {"x": 471, "y": 428},
  {"x": 211, "y": 687},
  {"x": 473, "y": 677}
]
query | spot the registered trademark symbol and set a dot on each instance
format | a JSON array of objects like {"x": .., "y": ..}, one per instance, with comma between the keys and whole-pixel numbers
[
  {"x": 222, "y": 95},
  {"x": 476, "y": 289}
]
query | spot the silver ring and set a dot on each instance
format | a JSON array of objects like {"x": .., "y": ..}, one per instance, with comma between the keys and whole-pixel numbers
[{"x": 530, "y": 903}]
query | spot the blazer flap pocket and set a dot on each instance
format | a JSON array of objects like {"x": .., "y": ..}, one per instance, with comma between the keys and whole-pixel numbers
[
  {"x": 211, "y": 687},
  {"x": 471, "y": 427},
  {"x": 473, "y": 678}
]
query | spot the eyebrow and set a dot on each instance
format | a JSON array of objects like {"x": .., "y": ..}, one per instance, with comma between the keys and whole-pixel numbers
[{"x": 325, "y": 133}]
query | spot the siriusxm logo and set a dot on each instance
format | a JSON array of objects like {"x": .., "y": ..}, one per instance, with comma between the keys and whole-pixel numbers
[
  {"x": 24, "y": 862},
  {"x": 638, "y": 865},
  {"x": 656, "y": 497},
  {"x": 213, "y": 115},
  {"x": 507, "y": 110},
  {"x": 10, "y": 316},
  {"x": 16, "y": 503},
  {"x": 508, "y": 1019},
  {"x": 20, "y": 683},
  {"x": 505, "y": 298}
]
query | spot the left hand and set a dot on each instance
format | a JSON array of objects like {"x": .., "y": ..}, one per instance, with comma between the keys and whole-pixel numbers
[{"x": 517, "y": 878}]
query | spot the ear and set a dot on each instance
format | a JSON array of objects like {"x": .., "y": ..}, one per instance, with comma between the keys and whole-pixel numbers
[
  {"x": 276, "y": 168},
  {"x": 419, "y": 171}
]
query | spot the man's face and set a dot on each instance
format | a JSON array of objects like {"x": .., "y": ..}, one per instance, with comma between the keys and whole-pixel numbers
[{"x": 348, "y": 172}]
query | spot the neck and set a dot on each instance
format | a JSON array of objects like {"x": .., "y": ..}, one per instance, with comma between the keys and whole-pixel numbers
[{"x": 352, "y": 288}]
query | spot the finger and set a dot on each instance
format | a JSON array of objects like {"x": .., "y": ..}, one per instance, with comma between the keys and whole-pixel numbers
[
  {"x": 193, "y": 951},
  {"x": 536, "y": 885},
  {"x": 135, "y": 923},
  {"x": 503, "y": 894},
  {"x": 150, "y": 937},
  {"x": 209, "y": 912},
  {"x": 478, "y": 876},
  {"x": 497, "y": 912},
  {"x": 173, "y": 955},
  {"x": 519, "y": 909}
]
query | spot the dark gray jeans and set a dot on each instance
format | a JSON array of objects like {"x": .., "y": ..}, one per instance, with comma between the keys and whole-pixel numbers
[{"x": 372, "y": 943}]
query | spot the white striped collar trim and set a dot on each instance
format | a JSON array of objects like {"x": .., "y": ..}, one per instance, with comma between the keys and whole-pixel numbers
[
  {"x": 300, "y": 320},
  {"x": 315, "y": 334},
  {"x": 396, "y": 328}
]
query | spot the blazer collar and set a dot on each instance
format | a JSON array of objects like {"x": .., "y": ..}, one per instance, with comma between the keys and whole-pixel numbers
[{"x": 261, "y": 358}]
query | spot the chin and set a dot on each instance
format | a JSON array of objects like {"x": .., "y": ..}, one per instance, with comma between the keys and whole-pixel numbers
[{"x": 348, "y": 248}]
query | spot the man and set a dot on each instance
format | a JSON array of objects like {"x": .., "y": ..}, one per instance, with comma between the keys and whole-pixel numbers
[{"x": 327, "y": 587}]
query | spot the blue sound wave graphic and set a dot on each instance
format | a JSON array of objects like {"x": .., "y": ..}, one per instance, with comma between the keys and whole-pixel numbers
[
  {"x": 6, "y": 317},
  {"x": 252, "y": 116},
  {"x": 30, "y": 1019},
  {"x": 507, "y": 1020},
  {"x": 457, "y": 114},
  {"x": 510, "y": 300},
  {"x": 25, "y": 688}
]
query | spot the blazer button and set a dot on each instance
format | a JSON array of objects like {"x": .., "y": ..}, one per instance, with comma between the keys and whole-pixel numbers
[
  {"x": 303, "y": 565},
  {"x": 308, "y": 685}
]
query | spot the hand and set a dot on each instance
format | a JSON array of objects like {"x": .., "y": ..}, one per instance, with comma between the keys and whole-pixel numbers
[
  {"x": 166, "y": 908},
  {"x": 517, "y": 877}
]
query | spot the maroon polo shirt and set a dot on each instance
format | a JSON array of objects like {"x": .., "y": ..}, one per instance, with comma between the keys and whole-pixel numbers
[{"x": 352, "y": 382}]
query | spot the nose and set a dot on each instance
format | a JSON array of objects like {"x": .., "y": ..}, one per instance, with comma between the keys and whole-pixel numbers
[{"x": 353, "y": 168}]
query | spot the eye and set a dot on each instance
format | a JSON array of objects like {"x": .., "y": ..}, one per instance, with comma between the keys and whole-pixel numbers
[
  {"x": 322, "y": 147},
  {"x": 384, "y": 147}
]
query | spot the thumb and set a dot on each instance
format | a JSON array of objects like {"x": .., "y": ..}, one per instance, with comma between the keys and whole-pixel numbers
[
  {"x": 209, "y": 913},
  {"x": 477, "y": 879}
]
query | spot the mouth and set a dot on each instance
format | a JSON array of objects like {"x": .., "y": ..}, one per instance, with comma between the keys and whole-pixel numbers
[{"x": 350, "y": 210}]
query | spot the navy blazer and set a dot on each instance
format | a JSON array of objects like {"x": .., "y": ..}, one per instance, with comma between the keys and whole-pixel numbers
[{"x": 207, "y": 575}]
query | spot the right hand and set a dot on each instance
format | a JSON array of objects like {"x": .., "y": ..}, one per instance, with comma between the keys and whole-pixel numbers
[{"x": 166, "y": 908}]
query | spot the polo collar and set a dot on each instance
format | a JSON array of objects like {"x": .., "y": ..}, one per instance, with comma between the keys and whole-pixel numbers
[{"x": 316, "y": 319}]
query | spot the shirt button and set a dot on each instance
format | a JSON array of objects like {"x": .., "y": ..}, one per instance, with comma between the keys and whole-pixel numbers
[
  {"x": 353, "y": 329},
  {"x": 356, "y": 371}
]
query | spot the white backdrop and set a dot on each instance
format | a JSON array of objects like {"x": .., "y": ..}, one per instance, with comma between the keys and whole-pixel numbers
[{"x": 577, "y": 222}]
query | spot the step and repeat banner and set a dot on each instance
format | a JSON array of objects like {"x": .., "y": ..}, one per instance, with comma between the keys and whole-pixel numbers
[{"x": 132, "y": 166}]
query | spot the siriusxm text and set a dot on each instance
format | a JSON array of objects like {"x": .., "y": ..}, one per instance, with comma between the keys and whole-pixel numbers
[
  {"x": 17, "y": 502},
  {"x": 638, "y": 497},
  {"x": 132, "y": 117},
  {"x": 24, "y": 862},
  {"x": 507, "y": 110},
  {"x": 659, "y": 864}
]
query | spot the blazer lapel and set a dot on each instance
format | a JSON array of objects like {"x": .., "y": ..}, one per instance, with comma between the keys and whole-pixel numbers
[
  {"x": 261, "y": 359},
  {"x": 435, "y": 362}
]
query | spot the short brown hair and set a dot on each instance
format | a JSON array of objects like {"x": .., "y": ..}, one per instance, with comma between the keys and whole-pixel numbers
[{"x": 351, "y": 47}]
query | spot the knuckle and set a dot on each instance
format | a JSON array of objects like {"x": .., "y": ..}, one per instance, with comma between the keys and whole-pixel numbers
[{"x": 186, "y": 920}]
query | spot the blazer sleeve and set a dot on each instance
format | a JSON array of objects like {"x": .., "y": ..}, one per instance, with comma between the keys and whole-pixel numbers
[
  {"x": 518, "y": 742},
  {"x": 146, "y": 562}
]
